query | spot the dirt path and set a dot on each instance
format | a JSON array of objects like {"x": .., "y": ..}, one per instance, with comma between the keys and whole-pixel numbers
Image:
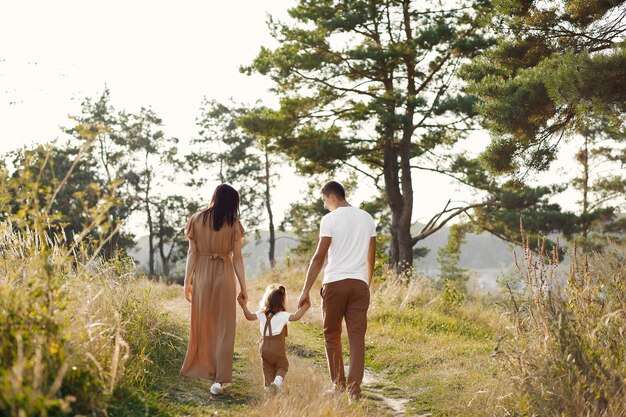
[
  {"x": 378, "y": 388},
  {"x": 190, "y": 396}
]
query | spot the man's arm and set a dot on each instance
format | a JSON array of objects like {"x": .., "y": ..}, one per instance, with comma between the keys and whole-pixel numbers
[
  {"x": 371, "y": 260},
  {"x": 315, "y": 267}
]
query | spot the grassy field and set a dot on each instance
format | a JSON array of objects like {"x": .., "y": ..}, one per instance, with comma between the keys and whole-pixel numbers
[
  {"x": 84, "y": 336},
  {"x": 423, "y": 358}
]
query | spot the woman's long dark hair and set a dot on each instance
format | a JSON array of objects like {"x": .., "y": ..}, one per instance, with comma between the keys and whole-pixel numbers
[{"x": 224, "y": 207}]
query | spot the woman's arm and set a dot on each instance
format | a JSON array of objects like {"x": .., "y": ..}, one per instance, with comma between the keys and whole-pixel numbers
[
  {"x": 239, "y": 271},
  {"x": 192, "y": 254},
  {"x": 249, "y": 316},
  {"x": 300, "y": 312}
]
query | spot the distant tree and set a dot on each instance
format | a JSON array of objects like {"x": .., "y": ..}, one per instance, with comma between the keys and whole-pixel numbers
[
  {"x": 172, "y": 213},
  {"x": 100, "y": 122},
  {"x": 453, "y": 278},
  {"x": 602, "y": 186},
  {"x": 242, "y": 156},
  {"x": 56, "y": 182},
  {"x": 151, "y": 156},
  {"x": 371, "y": 86}
]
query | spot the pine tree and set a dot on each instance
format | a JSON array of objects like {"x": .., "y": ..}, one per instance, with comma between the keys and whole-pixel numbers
[
  {"x": 453, "y": 278},
  {"x": 556, "y": 66},
  {"x": 242, "y": 155},
  {"x": 369, "y": 85}
]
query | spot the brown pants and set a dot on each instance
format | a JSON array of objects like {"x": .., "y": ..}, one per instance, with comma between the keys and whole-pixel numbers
[
  {"x": 272, "y": 350},
  {"x": 349, "y": 299}
]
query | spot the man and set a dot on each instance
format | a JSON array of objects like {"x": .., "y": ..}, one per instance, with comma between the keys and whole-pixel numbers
[{"x": 348, "y": 236}]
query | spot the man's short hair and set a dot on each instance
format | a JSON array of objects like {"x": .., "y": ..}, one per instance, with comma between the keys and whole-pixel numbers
[{"x": 333, "y": 187}]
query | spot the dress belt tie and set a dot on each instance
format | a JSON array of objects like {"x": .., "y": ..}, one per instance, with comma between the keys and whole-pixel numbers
[{"x": 220, "y": 257}]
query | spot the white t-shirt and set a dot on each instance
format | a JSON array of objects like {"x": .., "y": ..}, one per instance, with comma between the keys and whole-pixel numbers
[
  {"x": 350, "y": 229},
  {"x": 279, "y": 321}
]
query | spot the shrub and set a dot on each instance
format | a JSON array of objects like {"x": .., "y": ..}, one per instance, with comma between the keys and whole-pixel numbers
[
  {"x": 568, "y": 355},
  {"x": 73, "y": 330}
]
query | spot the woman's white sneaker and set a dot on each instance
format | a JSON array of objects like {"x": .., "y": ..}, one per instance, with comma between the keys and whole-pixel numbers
[{"x": 216, "y": 388}]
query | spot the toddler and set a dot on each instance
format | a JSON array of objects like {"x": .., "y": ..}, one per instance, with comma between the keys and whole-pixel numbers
[{"x": 273, "y": 321}]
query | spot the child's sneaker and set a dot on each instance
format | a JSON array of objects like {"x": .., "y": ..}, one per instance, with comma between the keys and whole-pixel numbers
[
  {"x": 276, "y": 386},
  {"x": 216, "y": 388}
]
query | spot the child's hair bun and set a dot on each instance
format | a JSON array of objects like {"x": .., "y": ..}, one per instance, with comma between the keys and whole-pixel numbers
[{"x": 281, "y": 289}]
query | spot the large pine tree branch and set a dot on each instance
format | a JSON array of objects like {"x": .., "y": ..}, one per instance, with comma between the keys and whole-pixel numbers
[
  {"x": 375, "y": 178},
  {"x": 432, "y": 226},
  {"x": 493, "y": 232},
  {"x": 434, "y": 71},
  {"x": 447, "y": 173},
  {"x": 388, "y": 23},
  {"x": 440, "y": 92},
  {"x": 327, "y": 84}
]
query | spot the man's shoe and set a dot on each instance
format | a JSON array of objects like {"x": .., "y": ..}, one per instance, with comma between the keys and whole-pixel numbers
[{"x": 334, "y": 391}]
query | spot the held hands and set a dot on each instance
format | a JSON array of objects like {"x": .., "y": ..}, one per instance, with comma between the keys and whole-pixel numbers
[
  {"x": 304, "y": 300},
  {"x": 242, "y": 298},
  {"x": 241, "y": 301}
]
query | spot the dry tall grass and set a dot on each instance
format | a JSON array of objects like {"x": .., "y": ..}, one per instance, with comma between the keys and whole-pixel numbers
[
  {"x": 568, "y": 356},
  {"x": 73, "y": 331}
]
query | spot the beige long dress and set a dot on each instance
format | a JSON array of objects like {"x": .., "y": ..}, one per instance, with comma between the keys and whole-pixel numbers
[{"x": 213, "y": 300}]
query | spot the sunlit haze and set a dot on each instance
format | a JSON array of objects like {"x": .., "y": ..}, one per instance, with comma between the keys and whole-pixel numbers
[{"x": 167, "y": 55}]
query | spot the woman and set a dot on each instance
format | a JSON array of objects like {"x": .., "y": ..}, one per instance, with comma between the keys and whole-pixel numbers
[{"x": 213, "y": 260}]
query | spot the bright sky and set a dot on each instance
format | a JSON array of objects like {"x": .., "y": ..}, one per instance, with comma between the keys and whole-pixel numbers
[
  {"x": 168, "y": 55},
  {"x": 165, "y": 54}
]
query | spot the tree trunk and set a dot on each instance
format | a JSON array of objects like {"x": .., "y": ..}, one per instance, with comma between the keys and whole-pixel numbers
[
  {"x": 585, "y": 180},
  {"x": 164, "y": 258},
  {"x": 150, "y": 226},
  {"x": 405, "y": 246},
  {"x": 401, "y": 249},
  {"x": 270, "y": 215},
  {"x": 398, "y": 182},
  {"x": 150, "y": 239}
]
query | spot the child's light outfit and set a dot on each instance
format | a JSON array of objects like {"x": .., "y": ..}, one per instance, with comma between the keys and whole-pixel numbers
[{"x": 272, "y": 345}]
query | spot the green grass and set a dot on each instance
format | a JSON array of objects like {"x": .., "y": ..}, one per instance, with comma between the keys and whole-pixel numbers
[
  {"x": 169, "y": 394},
  {"x": 439, "y": 357},
  {"x": 432, "y": 357},
  {"x": 442, "y": 356}
]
